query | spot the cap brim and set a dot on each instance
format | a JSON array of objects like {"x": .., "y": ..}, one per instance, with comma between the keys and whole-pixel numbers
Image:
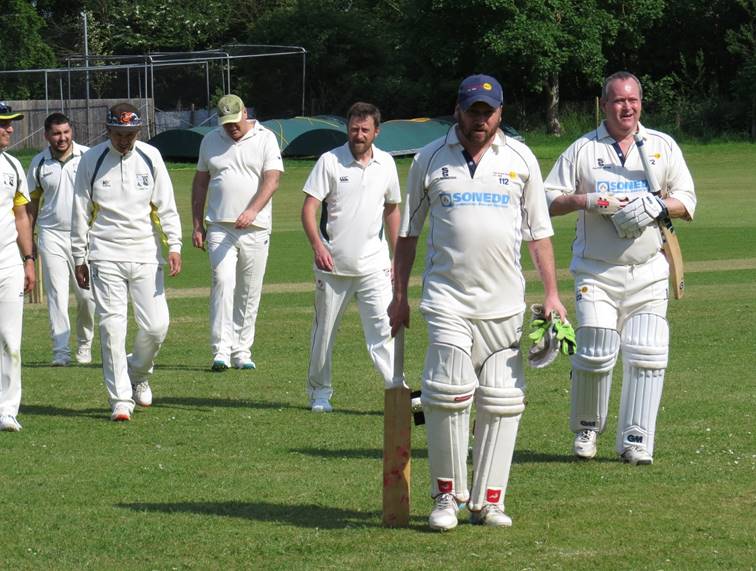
[
  {"x": 230, "y": 118},
  {"x": 12, "y": 117},
  {"x": 480, "y": 98},
  {"x": 124, "y": 127}
]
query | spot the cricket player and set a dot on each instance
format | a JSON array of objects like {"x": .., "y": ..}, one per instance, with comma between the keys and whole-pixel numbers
[
  {"x": 356, "y": 188},
  {"x": 16, "y": 270},
  {"x": 51, "y": 174},
  {"x": 123, "y": 210},
  {"x": 240, "y": 165},
  {"x": 484, "y": 195},
  {"x": 621, "y": 275}
]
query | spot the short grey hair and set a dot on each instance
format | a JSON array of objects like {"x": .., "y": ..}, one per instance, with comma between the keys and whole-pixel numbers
[{"x": 622, "y": 76}]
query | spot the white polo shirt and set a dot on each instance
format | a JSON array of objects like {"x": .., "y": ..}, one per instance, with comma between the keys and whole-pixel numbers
[
  {"x": 123, "y": 206},
  {"x": 591, "y": 164},
  {"x": 53, "y": 183},
  {"x": 351, "y": 215},
  {"x": 477, "y": 224},
  {"x": 13, "y": 192},
  {"x": 236, "y": 170}
]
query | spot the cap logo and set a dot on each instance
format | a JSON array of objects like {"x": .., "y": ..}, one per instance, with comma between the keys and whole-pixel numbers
[{"x": 487, "y": 86}]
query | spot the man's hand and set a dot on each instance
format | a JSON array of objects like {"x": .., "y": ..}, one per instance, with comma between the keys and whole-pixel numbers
[
  {"x": 246, "y": 218},
  {"x": 174, "y": 263},
  {"x": 640, "y": 212},
  {"x": 82, "y": 276},
  {"x": 30, "y": 275},
  {"x": 323, "y": 259},
  {"x": 605, "y": 204},
  {"x": 553, "y": 303},
  {"x": 198, "y": 237},
  {"x": 399, "y": 314}
]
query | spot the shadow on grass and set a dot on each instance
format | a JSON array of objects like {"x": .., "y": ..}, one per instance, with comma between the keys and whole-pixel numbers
[
  {"x": 204, "y": 402},
  {"x": 362, "y": 453},
  {"x": 530, "y": 456},
  {"x": 311, "y": 515},
  {"x": 42, "y": 410}
]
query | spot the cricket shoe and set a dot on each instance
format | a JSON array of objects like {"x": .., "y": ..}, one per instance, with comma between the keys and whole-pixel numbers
[
  {"x": 219, "y": 365},
  {"x": 636, "y": 455},
  {"x": 142, "y": 393},
  {"x": 321, "y": 405},
  {"x": 492, "y": 515},
  {"x": 244, "y": 364},
  {"x": 585, "y": 444},
  {"x": 121, "y": 413},
  {"x": 444, "y": 514},
  {"x": 8, "y": 423},
  {"x": 84, "y": 355}
]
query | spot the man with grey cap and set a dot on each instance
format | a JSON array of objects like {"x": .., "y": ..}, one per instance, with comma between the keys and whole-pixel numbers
[
  {"x": 484, "y": 195},
  {"x": 239, "y": 166},
  {"x": 16, "y": 270},
  {"x": 123, "y": 210}
]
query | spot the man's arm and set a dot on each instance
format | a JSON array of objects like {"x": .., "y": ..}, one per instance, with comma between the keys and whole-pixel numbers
[
  {"x": 267, "y": 188},
  {"x": 392, "y": 217},
  {"x": 25, "y": 244},
  {"x": 404, "y": 258},
  {"x": 542, "y": 255},
  {"x": 200, "y": 184},
  {"x": 323, "y": 259}
]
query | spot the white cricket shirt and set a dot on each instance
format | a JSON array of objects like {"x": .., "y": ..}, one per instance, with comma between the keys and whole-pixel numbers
[
  {"x": 236, "y": 171},
  {"x": 53, "y": 182},
  {"x": 123, "y": 206},
  {"x": 13, "y": 192},
  {"x": 352, "y": 198},
  {"x": 477, "y": 224},
  {"x": 591, "y": 164}
]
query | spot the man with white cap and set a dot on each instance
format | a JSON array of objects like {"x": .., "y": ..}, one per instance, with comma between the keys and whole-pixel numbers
[
  {"x": 240, "y": 166},
  {"x": 124, "y": 211},
  {"x": 51, "y": 182},
  {"x": 16, "y": 271},
  {"x": 484, "y": 195}
]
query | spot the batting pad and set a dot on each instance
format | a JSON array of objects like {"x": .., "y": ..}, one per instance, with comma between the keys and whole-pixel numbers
[
  {"x": 499, "y": 403},
  {"x": 645, "y": 350},
  {"x": 449, "y": 382},
  {"x": 592, "y": 365}
]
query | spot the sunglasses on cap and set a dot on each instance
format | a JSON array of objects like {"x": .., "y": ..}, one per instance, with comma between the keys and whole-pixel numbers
[{"x": 123, "y": 119}]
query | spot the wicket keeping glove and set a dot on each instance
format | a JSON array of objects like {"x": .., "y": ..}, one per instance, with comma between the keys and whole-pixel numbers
[
  {"x": 550, "y": 337},
  {"x": 601, "y": 203},
  {"x": 631, "y": 220}
]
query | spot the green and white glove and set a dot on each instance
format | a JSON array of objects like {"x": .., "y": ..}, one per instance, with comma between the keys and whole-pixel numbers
[{"x": 550, "y": 337}]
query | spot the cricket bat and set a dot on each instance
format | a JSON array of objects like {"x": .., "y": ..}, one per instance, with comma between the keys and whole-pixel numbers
[
  {"x": 397, "y": 447},
  {"x": 671, "y": 244}
]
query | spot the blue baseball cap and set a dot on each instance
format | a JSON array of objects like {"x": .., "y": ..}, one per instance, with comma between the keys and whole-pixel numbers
[
  {"x": 479, "y": 88},
  {"x": 123, "y": 116}
]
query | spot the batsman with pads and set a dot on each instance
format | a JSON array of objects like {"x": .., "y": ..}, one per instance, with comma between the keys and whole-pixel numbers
[
  {"x": 620, "y": 268},
  {"x": 484, "y": 195}
]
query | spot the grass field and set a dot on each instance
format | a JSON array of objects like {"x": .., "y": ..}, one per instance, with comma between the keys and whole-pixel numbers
[{"x": 232, "y": 471}]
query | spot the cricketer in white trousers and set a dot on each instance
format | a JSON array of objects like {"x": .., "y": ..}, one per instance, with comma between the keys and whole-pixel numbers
[
  {"x": 113, "y": 284},
  {"x": 373, "y": 293},
  {"x": 11, "y": 321},
  {"x": 238, "y": 258},
  {"x": 57, "y": 276}
]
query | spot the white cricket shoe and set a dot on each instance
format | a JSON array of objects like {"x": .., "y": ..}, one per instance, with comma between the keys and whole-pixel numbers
[
  {"x": 444, "y": 514},
  {"x": 84, "y": 355},
  {"x": 636, "y": 455},
  {"x": 491, "y": 515},
  {"x": 142, "y": 393},
  {"x": 8, "y": 423},
  {"x": 585, "y": 444},
  {"x": 321, "y": 405},
  {"x": 244, "y": 364},
  {"x": 121, "y": 412}
]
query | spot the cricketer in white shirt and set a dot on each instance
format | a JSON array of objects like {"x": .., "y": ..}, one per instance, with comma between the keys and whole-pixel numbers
[
  {"x": 51, "y": 175},
  {"x": 356, "y": 187}
]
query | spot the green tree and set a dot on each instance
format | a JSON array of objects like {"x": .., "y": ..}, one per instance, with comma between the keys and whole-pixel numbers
[{"x": 741, "y": 42}]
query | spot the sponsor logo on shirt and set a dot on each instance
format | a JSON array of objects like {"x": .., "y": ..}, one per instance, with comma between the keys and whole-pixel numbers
[
  {"x": 143, "y": 180},
  {"x": 486, "y": 199},
  {"x": 621, "y": 186},
  {"x": 600, "y": 164},
  {"x": 343, "y": 179}
]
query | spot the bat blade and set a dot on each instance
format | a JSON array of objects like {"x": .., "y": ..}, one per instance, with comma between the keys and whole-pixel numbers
[
  {"x": 397, "y": 447},
  {"x": 671, "y": 244}
]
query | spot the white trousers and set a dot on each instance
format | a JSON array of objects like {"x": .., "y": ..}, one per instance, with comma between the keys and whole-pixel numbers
[
  {"x": 113, "y": 284},
  {"x": 11, "y": 320},
  {"x": 333, "y": 293},
  {"x": 57, "y": 275},
  {"x": 238, "y": 259}
]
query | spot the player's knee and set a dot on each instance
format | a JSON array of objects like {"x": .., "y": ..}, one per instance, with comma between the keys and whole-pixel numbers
[
  {"x": 645, "y": 341},
  {"x": 597, "y": 349},
  {"x": 500, "y": 401},
  {"x": 449, "y": 380}
]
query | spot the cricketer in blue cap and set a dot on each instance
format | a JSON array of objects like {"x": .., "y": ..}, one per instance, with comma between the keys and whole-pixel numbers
[{"x": 477, "y": 88}]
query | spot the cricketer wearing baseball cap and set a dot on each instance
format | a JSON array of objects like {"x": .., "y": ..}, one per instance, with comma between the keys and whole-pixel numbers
[
  {"x": 16, "y": 270},
  {"x": 240, "y": 166},
  {"x": 484, "y": 195}
]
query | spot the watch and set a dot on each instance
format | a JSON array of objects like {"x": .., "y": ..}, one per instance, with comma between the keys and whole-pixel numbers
[{"x": 28, "y": 257}]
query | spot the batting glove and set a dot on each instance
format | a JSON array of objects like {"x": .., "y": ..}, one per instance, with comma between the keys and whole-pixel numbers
[
  {"x": 631, "y": 220},
  {"x": 565, "y": 336},
  {"x": 605, "y": 204}
]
